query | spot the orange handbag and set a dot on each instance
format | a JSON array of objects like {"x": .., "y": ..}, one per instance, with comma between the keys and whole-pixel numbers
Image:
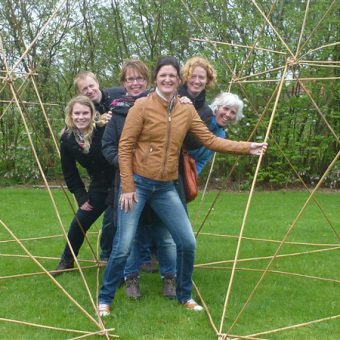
[{"x": 190, "y": 177}]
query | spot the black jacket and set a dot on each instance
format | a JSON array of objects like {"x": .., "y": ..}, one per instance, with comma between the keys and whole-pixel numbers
[
  {"x": 99, "y": 170},
  {"x": 110, "y": 140},
  {"x": 108, "y": 95},
  {"x": 204, "y": 111}
]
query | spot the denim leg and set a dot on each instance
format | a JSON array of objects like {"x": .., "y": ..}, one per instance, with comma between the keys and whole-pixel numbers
[
  {"x": 85, "y": 219},
  {"x": 170, "y": 209},
  {"x": 144, "y": 240},
  {"x": 152, "y": 229},
  {"x": 125, "y": 234},
  {"x": 133, "y": 262},
  {"x": 108, "y": 232},
  {"x": 166, "y": 247}
]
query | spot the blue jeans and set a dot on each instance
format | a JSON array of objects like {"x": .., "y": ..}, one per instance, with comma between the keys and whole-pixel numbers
[
  {"x": 82, "y": 222},
  {"x": 108, "y": 231},
  {"x": 151, "y": 228},
  {"x": 164, "y": 199}
]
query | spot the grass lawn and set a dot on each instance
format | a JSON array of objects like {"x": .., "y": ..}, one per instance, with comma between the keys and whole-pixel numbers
[{"x": 302, "y": 287}]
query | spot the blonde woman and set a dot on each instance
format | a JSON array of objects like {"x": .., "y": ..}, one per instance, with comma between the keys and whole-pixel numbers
[{"x": 80, "y": 144}]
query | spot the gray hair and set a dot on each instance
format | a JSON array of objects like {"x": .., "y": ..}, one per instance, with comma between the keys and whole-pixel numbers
[{"x": 228, "y": 99}]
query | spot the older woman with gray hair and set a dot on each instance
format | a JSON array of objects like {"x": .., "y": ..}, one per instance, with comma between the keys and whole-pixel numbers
[{"x": 227, "y": 109}]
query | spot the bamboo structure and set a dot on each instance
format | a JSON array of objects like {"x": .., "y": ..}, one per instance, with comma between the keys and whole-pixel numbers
[{"x": 279, "y": 77}]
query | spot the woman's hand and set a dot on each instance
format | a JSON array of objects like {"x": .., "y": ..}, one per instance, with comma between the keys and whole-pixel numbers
[
  {"x": 185, "y": 100},
  {"x": 86, "y": 206},
  {"x": 107, "y": 116},
  {"x": 127, "y": 200},
  {"x": 258, "y": 148}
]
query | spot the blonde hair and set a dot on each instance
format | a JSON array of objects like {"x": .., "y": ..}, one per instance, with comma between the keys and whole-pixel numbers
[
  {"x": 82, "y": 76},
  {"x": 95, "y": 119},
  {"x": 192, "y": 63}
]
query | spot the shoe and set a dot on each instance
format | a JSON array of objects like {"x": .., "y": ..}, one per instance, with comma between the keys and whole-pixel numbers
[
  {"x": 104, "y": 309},
  {"x": 63, "y": 265},
  {"x": 132, "y": 287},
  {"x": 193, "y": 305},
  {"x": 169, "y": 286}
]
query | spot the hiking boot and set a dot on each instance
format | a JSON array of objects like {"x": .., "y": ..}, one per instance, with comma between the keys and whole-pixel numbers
[
  {"x": 169, "y": 286},
  {"x": 193, "y": 305},
  {"x": 132, "y": 287},
  {"x": 63, "y": 265}
]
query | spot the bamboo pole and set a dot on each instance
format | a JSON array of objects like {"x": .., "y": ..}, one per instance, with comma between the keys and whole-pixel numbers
[
  {"x": 272, "y": 241},
  {"x": 311, "y": 277},
  {"x": 317, "y": 25},
  {"x": 254, "y": 259},
  {"x": 273, "y": 28},
  {"x": 89, "y": 316},
  {"x": 319, "y": 111},
  {"x": 237, "y": 45},
  {"x": 100, "y": 324},
  {"x": 329, "y": 318},
  {"x": 249, "y": 200},
  {"x": 58, "y": 7},
  {"x": 288, "y": 80},
  {"x": 302, "y": 30},
  {"x": 45, "y": 115},
  {"x": 321, "y": 47},
  {"x": 286, "y": 236}
]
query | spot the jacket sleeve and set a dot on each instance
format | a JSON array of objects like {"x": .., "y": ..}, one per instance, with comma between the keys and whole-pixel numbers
[
  {"x": 190, "y": 141},
  {"x": 210, "y": 141},
  {"x": 131, "y": 131},
  {"x": 110, "y": 143},
  {"x": 71, "y": 175}
]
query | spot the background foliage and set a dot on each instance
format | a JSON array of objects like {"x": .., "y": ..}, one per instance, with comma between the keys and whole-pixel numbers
[{"x": 99, "y": 35}]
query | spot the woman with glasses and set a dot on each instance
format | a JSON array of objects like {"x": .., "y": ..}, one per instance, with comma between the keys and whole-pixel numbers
[{"x": 135, "y": 79}]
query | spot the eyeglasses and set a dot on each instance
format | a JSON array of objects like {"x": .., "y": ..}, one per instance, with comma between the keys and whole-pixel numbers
[{"x": 137, "y": 80}]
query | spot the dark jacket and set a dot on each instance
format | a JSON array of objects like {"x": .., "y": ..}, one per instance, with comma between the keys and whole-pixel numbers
[
  {"x": 108, "y": 95},
  {"x": 99, "y": 170},
  {"x": 119, "y": 108},
  {"x": 204, "y": 111}
]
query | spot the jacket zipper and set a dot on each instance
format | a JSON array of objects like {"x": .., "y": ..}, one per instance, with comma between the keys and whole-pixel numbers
[{"x": 169, "y": 109}]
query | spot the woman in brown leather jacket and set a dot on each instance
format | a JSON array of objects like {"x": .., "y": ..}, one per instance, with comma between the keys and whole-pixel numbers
[{"x": 149, "y": 149}]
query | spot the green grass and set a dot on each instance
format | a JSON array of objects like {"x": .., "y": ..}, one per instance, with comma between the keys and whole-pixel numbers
[{"x": 280, "y": 300}]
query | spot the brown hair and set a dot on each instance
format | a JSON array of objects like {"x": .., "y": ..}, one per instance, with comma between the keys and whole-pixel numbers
[
  {"x": 165, "y": 61},
  {"x": 137, "y": 65},
  {"x": 193, "y": 62}
]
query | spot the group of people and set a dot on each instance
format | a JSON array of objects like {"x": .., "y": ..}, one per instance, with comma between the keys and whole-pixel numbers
[{"x": 130, "y": 141}]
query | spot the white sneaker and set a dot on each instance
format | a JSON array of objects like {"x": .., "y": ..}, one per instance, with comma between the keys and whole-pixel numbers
[
  {"x": 193, "y": 305},
  {"x": 103, "y": 309}
]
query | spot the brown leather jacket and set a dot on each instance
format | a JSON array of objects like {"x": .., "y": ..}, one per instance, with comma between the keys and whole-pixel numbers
[{"x": 152, "y": 138}]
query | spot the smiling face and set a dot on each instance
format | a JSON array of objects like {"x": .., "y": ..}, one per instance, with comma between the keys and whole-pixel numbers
[
  {"x": 226, "y": 115},
  {"x": 134, "y": 82},
  {"x": 90, "y": 88},
  {"x": 197, "y": 81},
  {"x": 81, "y": 116},
  {"x": 167, "y": 80}
]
